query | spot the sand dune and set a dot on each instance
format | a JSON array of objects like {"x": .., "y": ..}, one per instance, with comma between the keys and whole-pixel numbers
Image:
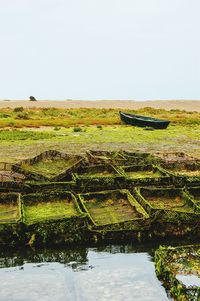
[{"x": 188, "y": 105}]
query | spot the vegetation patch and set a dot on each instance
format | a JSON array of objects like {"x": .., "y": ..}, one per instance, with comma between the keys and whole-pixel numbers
[
  {"x": 112, "y": 138},
  {"x": 87, "y": 116},
  {"x": 8, "y": 135}
]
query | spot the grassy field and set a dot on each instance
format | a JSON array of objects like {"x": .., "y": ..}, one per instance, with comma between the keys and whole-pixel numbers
[
  {"x": 34, "y": 117},
  {"x": 75, "y": 131}
]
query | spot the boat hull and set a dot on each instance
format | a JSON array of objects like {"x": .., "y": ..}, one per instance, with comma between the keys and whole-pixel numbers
[{"x": 143, "y": 121}]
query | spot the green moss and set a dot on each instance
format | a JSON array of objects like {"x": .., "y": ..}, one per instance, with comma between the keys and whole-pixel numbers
[
  {"x": 104, "y": 173},
  {"x": 170, "y": 262},
  {"x": 9, "y": 213},
  {"x": 112, "y": 207},
  {"x": 49, "y": 210},
  {"x": 111, "y": 213},
  {"x": 142, "y": 174},
  {"x": 49, "y": 167},
  {"x": 170, "y": 202},
  {"x": 95, "y": 171},
  {"x": 195, "y": 193},
  {"x": 52, "y": 206},
  {"x": 189, "y": 173},
  {"x": 10, "y": 208}
]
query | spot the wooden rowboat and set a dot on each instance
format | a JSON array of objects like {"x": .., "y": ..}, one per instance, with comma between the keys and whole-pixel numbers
[{"x": 143, "y": 121}]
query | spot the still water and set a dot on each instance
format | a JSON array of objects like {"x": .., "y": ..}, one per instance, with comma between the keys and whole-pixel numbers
[{"x": 114, "y": 273}]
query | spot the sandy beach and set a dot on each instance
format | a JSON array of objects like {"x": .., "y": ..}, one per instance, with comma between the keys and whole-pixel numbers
[{"x": 187, "y": 105}]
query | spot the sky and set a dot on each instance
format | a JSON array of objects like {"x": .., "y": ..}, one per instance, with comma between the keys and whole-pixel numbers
[{"x": 100, "y": 49}]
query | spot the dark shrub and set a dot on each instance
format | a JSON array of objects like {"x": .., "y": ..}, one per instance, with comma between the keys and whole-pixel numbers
[
  {"x": 77, "y": 129},
  {"x": 18, "y": 109}
]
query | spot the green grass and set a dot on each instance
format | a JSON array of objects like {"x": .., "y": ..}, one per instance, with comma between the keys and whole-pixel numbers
[
  {"x": 37, "y": 133},
  {"x": 184, "y": 138},
  {"x": 24, "y": 135}
]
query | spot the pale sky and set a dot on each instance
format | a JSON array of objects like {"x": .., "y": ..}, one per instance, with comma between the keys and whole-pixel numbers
[{"x": 100, "y": 49}]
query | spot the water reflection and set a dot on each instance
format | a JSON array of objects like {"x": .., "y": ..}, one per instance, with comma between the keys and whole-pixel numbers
[
  {"x": 86, "y": 274},
  {"x": 64, "y": 256}
]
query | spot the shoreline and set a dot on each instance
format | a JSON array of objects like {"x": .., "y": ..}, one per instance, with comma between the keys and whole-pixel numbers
[{"x": 187, "y": 105}]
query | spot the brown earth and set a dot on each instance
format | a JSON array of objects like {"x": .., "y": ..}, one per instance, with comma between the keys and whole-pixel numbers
[{"x": 188, "y": 105}]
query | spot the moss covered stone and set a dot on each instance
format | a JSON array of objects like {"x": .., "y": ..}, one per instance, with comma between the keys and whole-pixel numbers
[{"x": 174, "y": 265}]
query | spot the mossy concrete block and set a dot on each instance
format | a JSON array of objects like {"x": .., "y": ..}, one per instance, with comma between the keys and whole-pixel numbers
[
  {"x": 173, "y": 264},
  {"x": 41, "y": 207},
  {"x": 49, "y": 166},
  {"x": 10, "y": 208},
  {"x": 113, "y": 210},
  {"x": 168, "y": 204}
]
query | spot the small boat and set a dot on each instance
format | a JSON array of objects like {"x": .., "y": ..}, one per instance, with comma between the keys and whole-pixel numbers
[{"x": 144, "y": 121}]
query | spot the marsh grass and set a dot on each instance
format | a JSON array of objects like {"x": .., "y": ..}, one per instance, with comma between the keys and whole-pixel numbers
[
  {"x": 20, "y": 144},
  {"x": 24, "y": 135},
  {"x": 35, "y": 117},
  {"x": 26, "y": 138}
]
